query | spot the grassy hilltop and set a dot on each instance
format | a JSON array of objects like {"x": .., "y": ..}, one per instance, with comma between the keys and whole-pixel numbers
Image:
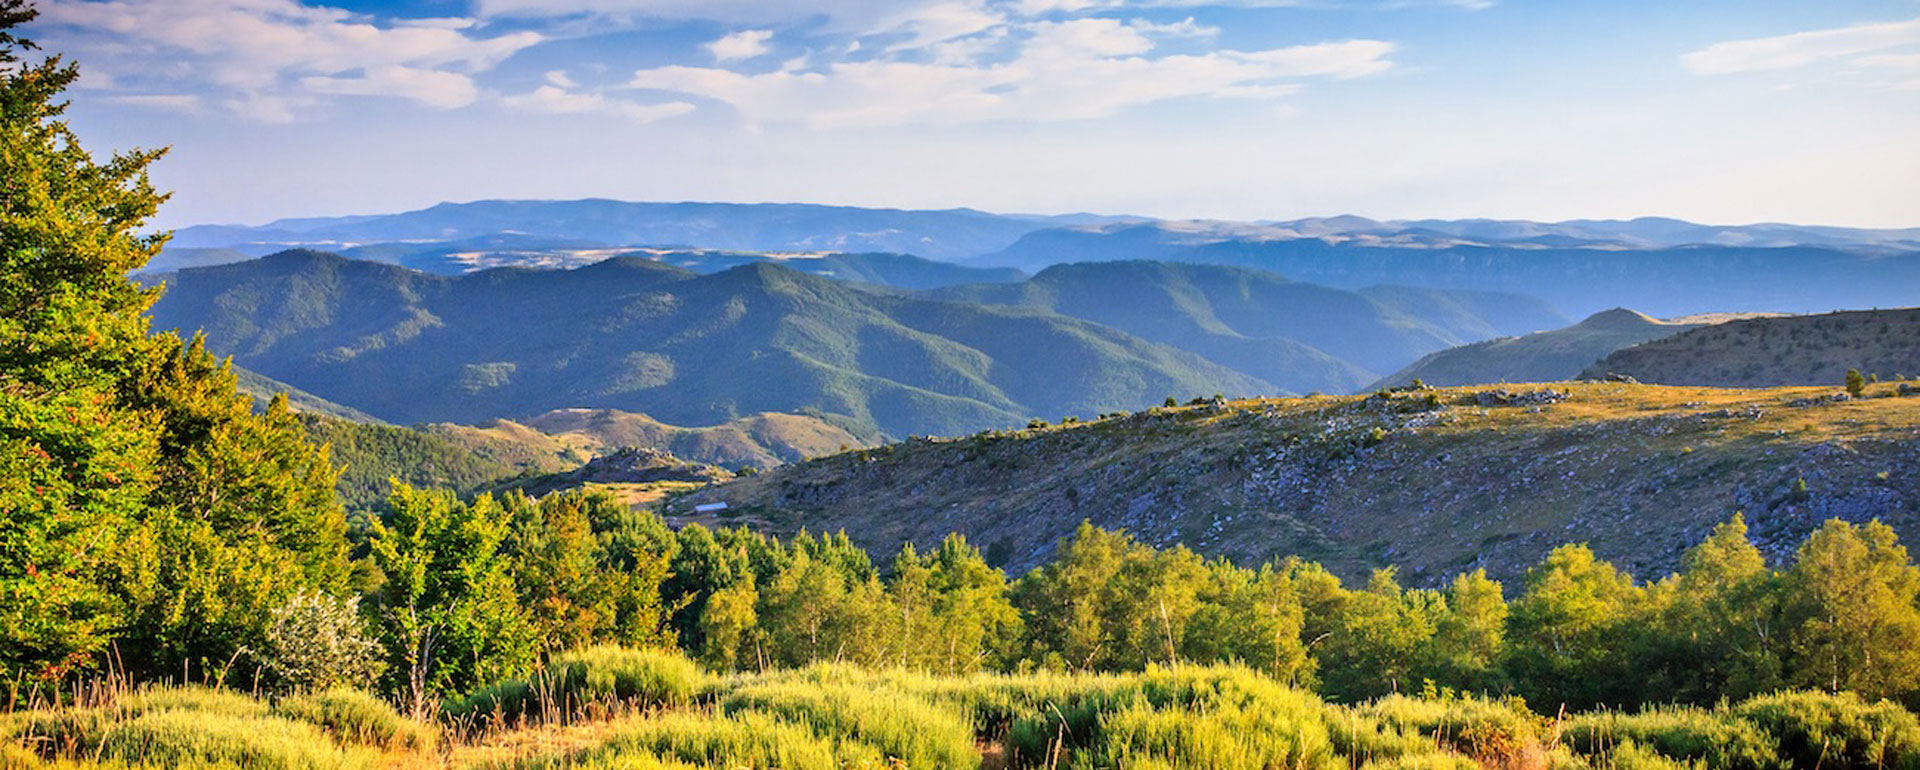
[{"x": 1436, "y": 481}]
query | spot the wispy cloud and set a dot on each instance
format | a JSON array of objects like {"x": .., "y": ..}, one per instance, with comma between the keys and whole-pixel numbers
[
  {"x": 745, "y": 44},
  {"x": 1802, "y": 48},
  {"x": 1042, "y": 71},
  {"x": 266, "y": 59},
  {"x": 559, "y": 100}
]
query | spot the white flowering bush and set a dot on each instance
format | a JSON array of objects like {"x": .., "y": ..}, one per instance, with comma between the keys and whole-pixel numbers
[{"x": 318, "y": 642}]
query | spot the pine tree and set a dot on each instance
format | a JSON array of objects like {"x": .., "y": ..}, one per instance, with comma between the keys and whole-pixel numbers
[{"x": 1856, "y": 384}]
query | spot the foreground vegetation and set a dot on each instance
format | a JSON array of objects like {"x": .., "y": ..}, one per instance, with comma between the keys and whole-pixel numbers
[
  {"x": 155, "y": 530},
  {"x": 612, "y": 708}
]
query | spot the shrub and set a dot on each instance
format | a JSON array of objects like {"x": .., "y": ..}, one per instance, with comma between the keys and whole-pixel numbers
[
  {"x": 599, "y": 678},
  {"x": 317, "y": 642},
  {"x": 749, "y": 741},
  {"x": 353, "y": 717},
  {"x": 1714, "y": 738},
  {"x": 899, "y": 725},
  {"x": 1837, "y": 732},
  {"x": 176, "y": 738}
]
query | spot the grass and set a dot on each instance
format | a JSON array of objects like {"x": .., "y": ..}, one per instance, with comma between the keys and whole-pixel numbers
[
  {"x": 635, "y": 710},
  {"x": 595, "y": 681},
  {"x": 168, "y": 727}
]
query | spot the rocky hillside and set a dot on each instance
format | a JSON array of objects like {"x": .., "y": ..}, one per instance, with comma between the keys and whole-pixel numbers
[
  {"x": 1763, "y": 352},
  {"x": 1547, "y": 356},
  {"x": 1436, "y": 481}
]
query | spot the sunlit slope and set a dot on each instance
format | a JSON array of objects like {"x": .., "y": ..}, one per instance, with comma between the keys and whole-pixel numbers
[{"x": 1436, "y": 481}]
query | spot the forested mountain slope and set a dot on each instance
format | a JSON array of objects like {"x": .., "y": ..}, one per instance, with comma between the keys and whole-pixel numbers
[
  {"x": 638, "y": 335},
  {"x": 1299, "y": 336},
  {"x": 1762, "y": 352},
  {"x": 1436, "y": 481}
]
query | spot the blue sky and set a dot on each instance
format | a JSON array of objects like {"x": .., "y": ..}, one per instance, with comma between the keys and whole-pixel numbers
[{"x": 1726, "y": 111}]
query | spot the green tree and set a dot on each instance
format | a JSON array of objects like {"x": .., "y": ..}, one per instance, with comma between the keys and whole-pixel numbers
[
  {"x": 1856, "y": 384},
  {"x": 1383, "y": 638},
  {"x": 1852, "y": 614},
  {"x": 451, "y": 618},
  {"x": 1251, "y": 617},
  {"x": 1716, "y": 633},
  {"x": 1470, "y": 636},
  {"x": 1569, "y": 633},
  {"x": 140, "y": 497}
]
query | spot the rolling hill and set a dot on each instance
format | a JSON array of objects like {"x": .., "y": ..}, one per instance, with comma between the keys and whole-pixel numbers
[
  {"x": 1436, "y": 481},
  {"x": 471, "y": 458},
  {"x": 1575, "y": 275},
  {"x": 1764, "y": 352},
  {"x": 1547, "y": 356},
  {"x": 639, "y": 335},
  {"x": 1302, "y": 337}
]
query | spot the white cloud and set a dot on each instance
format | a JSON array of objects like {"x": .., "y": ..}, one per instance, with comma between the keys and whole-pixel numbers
[
  {"x": 187, "y": 103},
  {"x": 554, "y": 100},
  {"x": 437, "y": 88},
  {"x": 266, "y": 59},
  {"x": 1066, "y": 70},
  {"x": 1800, "y": 49},
  {"x": 745, "y": 44}
]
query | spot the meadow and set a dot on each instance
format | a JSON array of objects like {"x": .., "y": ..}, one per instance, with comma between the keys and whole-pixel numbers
[{"x": 619, "y": 708}]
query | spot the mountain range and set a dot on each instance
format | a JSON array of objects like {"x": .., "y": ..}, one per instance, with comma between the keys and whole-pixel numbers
[
  {"x": 1663, "y": 266},
  {"x": 1299, "y": 336},
  {"x": 639, "y": 335},
  {"x": 690, "y": 349},
  {"x": 1575, "y": 276}
]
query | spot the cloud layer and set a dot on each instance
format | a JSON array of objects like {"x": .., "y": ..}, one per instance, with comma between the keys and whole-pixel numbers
[{"x": 1841, "y": 44}]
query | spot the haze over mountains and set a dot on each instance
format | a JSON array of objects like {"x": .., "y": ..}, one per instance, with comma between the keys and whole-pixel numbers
[{"x": 1661, "y": 266}]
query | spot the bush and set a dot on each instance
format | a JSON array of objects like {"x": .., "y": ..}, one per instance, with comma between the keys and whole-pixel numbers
[
  {"x": 579, "y": 683},
  {"x": 1496, "y": 733},
  {"x": 899, "y": 725},
  {"x": 355, "y": 718},
  {"x": 1837, "y": 732},
  {"x": 1716, "y": 739},
  {"x": 749, "y": 741},
  {"x": 176, "y": 738},
  {"x": 317, "y": 642}
]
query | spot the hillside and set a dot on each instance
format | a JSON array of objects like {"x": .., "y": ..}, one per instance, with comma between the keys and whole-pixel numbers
[
  {"x": 1764, "y": 352},
  {"x": 262, "y": 389},
  {"x": 1546, "y": 356},
  {"x": 638, "y": 335},
  {"x": 1662, "y": 277},
  {"x": 1301, "y": 337},
  {"x": 469, "y": 458},
  {"x": 1435, "y": 481}
]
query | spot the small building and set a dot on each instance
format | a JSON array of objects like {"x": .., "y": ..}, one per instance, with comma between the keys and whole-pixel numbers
[{"x": 709, "y": 507}]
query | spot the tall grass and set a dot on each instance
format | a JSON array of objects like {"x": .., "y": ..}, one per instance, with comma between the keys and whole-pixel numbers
[
  {"x": 609, "y": 709},
  {"x": 591, "y": 683},
  {"x": 167, "y": 727}
]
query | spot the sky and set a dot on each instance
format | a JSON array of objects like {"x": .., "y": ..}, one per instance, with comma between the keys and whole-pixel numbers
[{"x": 1720, "y": 111}]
